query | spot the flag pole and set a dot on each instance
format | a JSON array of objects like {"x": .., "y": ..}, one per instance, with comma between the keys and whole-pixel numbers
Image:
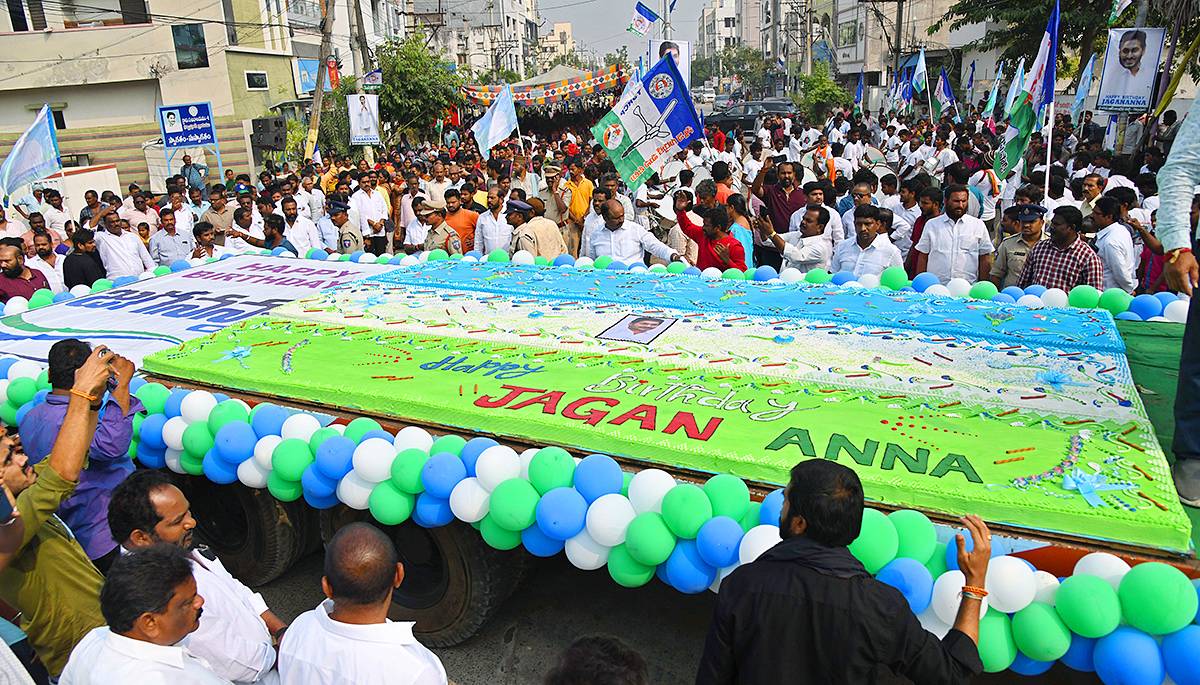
[{"x": 1046, "y": 144}]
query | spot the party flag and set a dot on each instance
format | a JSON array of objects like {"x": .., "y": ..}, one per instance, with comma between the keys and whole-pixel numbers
[
  {"x": 1014, "y": 88},
  {"x": 34, "y": 156},
  {"x": 497, "y": 123},
  {"x": 643, "y": 19},
  {"x": 1037, "y": 92},
  {"x": 1118, "y": 8},
  {"x": 858, "y": 96},
  {"x": 920, "y": 78},
  {"x": 990, "y": 107},
  {"x": 1085, "y": 87}
]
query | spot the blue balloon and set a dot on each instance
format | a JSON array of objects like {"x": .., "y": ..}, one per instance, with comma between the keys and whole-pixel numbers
[
  {"x": 431, "y": 512},
  {"x": 227, "y": 255},
  {"x": 843, "y": 277},
  {"x": 1014, "y": 292},
  {"x": 40, "y": 396},
  {"x": 1128, "y": 316},
  {"x": 923, "y": 280},
  {"x": 1038, "y": 290},
  {"x": 617, "y": 266},
  {"x": 598, "y": 475},
  {"x": 661, "y": 573},
  {"x": 561, "y": 513},
  {"x": 692, "y": 271},
  {"x": 220, "y": 397},
  {"x": 1004, "y": 297},
  {"x": 1026, "y": 666},
  {"x": 687, "y": 572},
  {"x": 280, "y": 250},
  {"x": 1197, "y": 584},
  {"x": 474, "y": 253},
  {"x": 320, "y": 502},
  {"x": 23, "y": 411},
  {"x": 563, "y": 260},
  {"x": 62, "y": 297},
  {"x": 1146, "y": 306},
  {"x": 718, "y": 541},
  {"x": 314, "y": 253},
  {"x": 150, "y": 432},
  {"x": 218, "y": 470},
  {"x": 441, "y": 472},
  {"x": 395, "y": 261},
  {"x": 353, "y": 255},
  {"x": 765, "y": 273},
  {"x": 1079, "y": 654},
  {"x": 179, "y": 265},
  {"x": 171, "y": 406},
  {"x": 124, "y": 280},
  {"x": 135, "y": 383},
  {"x": 912, "y": 579},
  {"x": 335, "y": 456},
  {"x": 5, "y": 364},
  {"x": 471, "y": 451},
  {"x": 315, "y": 482},
  {"x": 539, "y": 544},
  {"x": 268, "y": 420},
  {"x": 377, "y": 433},
  {"x": 772, "y": 508},
  {"x": 153, "y": 458},
  {"x": 234, "y": 442},
  {"x": 1181, "y": 654},
  {"x": 1129, "y": 657},
  {"x": 907, "y": 289},
  {"x": 1166, "y": 298}
]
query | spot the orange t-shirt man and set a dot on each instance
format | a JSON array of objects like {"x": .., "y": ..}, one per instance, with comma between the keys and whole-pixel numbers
[{"x": 463, "y": 222}]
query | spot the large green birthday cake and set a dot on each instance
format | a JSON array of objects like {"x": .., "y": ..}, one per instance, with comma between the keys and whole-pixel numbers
[{"x": 1028, "y": 417}]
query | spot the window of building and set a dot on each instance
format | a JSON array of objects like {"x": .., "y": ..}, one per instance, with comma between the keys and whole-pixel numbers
[
  {"x": 230, "y": 29},
  {"x": 59, "y": 122},
  {"x": 848, "y": 32},
  {"x": 256, "y": 80},
  {"x": 191, "y": 50}
]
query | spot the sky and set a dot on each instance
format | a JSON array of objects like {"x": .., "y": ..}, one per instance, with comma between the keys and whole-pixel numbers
[{"x": 602, "y": 24}]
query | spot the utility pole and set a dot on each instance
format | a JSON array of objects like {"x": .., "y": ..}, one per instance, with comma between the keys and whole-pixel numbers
[
  {"x": 899, "y": 36},
  {"x": 808, "y": 38},
  {"x": 314, "y": 122},
  {"x": 358, "y": 33}
]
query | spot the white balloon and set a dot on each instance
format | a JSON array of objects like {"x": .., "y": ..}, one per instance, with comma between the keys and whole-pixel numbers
[
  {"x": 81, "y": 289},
  {"x": 522, "y": 257},
  {"x": 722, "y": 574},
  {"x": 1158, "y": 319},
  {"x": 930, "y": 622},
  {"x": 1103, "y": 565},
  {"x": 195, "y": 261},
  {"x": 638, "y": 268},
  {"x": 711, "y": 272},
  {"x": 647, "y": 489},
  {"x": 335, "y": 257},
  {"x": 17, "y": 305},
  {"x": 584, "y": 261},
  {"x": 1055, "y": 297},
  {"x": 526, "y": 457},
  {"x": 172, "y": 457},
  {"x": 197, "y": 405},
  {"x": 339, "y": 428},
  {"x": 366, "y": 258},
  {"x": 1031, "y": 301},
  {"x": 938, "y": 289},
  {"x": 423, "y": 256},
  {"x": 146, "y": 275},
  {"x": 373, "y": 460},
  {"x": 791, "y": 275},
  {"x": 946, "y": 590},
  {"x": 24, "y": 369},
  {"x": 1047, "y": 587},
  {"x": 413, "y": 438},
  {"x": 172, "y": 432},
  {"x": 869, "y": 280},
  {"x": 409, "y": 260},
  {"x": 300, "y": 426},
  {"x": 355, "y": 492},
  {"x": 608, "y": 518},
  {"x": 253, "y": 475},
  {"x": 469, "y": 501},
  {"x": 585, "y": 553},
  {"x": 469, "y": 259},
  {"x": 852, "y": 284},
  {"x": 959, "y": 287},
  {"x": 497, "y": 464},
  {"x": 1010, "y": 584},
  {"x": 3, "y": 389},
  {"x": 263, "y": 449},
  {"x": 758, "y": 540},
  {"x": 1177, "y": 311}
]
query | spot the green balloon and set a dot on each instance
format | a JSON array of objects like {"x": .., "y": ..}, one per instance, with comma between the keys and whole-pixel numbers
[
  {"x": 1088, "y": 605},
  {"x": 733, "y": 274},
  {"x": 497, "y": 536},
  {"x": 224, "y": 412},
  {"x": 728, "y": 495},
  {"x": 137, "y": 423},
  {"x": 602, "y": 262},
  {"x": 750, "y": 518},
  {"x": 1115, "y": 301},
  {"x": 162, "y": 270},
  {"x": 1084, "y": 297},
  {"x": 382, "y": 259},
  {"x": 43, "y": 380},
  {"x": 456, "y": 257},
  {"x": 132, "y": 451},
  {"x": 289, "y": 458},
  {"x": 406, "y": 470},
  {"x": 497, "y": 255},
  {"x": 438, "y": 255},
  {"x": 282, "y": 489},
  {"x": 319, "y": 436},
  {"x": 918, "y": 539},
  {"x": 103, "y": 284},
  {"x": 685, "y": 508},
  {"x": 198, "y": 440},
  {"x": 41, "y": 298},
  {"x": 8, "y": 413},
  {"x": 21, "y": 390},
  {"x": 540, "y": 260},
  {"x": 648, "y": 539},
  {"x": 676, "y": 267},
  {"x": 191, "y": 465},
  {"x": 626, "y": 477},
  {"x": 1157, "y": 598},
  {"x": 551, "y": 468},
  {"x": 513, "y": 504},
  {"x": 448, "y": 443},
  {"x": 626, "y": 570},
  {"x": 154, "y": 397},
  {"x": 893, "y": 277},
  {"x": 877, "y": 541},
  {"x": 997, "y": 649},
  {"x": 1039, "y": 632},
  {"x": 818, "y": 276},
  {"x": 984, "y": 290},
  {"x": 344, "y": 258},
  {"x": 359, "y": 427},
  {"x": 389, "y": 505},
  {"x": 937, "y": 561}
]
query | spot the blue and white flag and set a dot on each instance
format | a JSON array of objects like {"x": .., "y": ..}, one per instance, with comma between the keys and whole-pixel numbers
[
  {"x": 1085, "y": 87},
  {"x": 643, "y": 19},
  {"x": 971, "y": 85},
  {"x": 1015, "y": 87},
  {"x": 780, "y": 64},
  {"x": 858, "y": 95},
  {"x": 920, "y": 78},
  {"x": 497, "y": 123},
  {"x": 33, "y": 157}
]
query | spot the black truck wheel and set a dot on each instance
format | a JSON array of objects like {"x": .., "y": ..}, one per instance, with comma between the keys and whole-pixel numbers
[
  {"x": 453, "y": 580},
  {"x": 256, "y": 536}
]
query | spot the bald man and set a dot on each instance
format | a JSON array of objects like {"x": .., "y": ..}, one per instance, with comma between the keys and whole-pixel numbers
[
  {"x": 348, "y": 638},
  {"x": 624, "y": 241}
]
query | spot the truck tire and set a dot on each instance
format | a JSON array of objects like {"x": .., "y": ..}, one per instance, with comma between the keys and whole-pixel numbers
[
  {"x": 256, "y": 536},
  {"x": 453, "y": 581}
]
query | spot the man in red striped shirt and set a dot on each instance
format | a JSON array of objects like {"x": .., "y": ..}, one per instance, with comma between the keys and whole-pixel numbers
[
  {"x": 1064, "y": 261},
  {"x": 18, "y": 280}
]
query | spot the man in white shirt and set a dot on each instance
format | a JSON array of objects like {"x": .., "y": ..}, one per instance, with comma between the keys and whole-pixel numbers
[
  {"x": 435, "y": 188},
  {"x": 492, "y": 231},
  {"x": 143, "y": 641},
  {"x": 944, "y": 156},
  {"x": 806, "y": 249},
  {"x": 594, "y": 220},
  {"x": 185, "y": 220},
  {"x": 524, "y": 179},
  {"x": 991, "y": 188},
  {"x": 123, "y": 252},
  {"x": 236, "y": 629},
  {"x": 753, "y": 163},
  {"x": 372, "y": 210},
  {"x": 313, "y": 195},
  {"x": 624, "y": 241},
  {"x": 301, "y": 232},
  {"x": 955, "y": 244},
  {"x": 56, "y": 214},
  {"x": 814, "y": 192},
  {"x": 49, "y": 262},
  {"x": 870, "y": 252},
  {"x": 1114, "y": 246},
  {"x": 243, "y": 231},
  {"x": 348, "y": 638},
  {"x": 908, "y": 208}
]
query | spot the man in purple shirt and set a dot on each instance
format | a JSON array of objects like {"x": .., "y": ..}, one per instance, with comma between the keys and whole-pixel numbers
[{"x": 108, "y": 462}]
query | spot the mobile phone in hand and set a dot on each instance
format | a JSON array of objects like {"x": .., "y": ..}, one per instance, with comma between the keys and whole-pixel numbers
[{"x": 777, "y": 159}]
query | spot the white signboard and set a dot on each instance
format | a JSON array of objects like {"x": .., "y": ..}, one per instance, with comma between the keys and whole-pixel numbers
[
  {"x": 1130, "y": 69},
  {"x": 364, "y": 118}
]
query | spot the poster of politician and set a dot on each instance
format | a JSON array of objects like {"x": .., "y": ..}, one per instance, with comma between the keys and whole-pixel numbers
[
  {"x": 1130, "y": 69},
  {"x": 364, "y": 118},
  {"x": 680, "y": 50}
]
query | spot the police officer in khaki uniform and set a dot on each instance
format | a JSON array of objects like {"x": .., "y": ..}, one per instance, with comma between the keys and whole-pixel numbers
[
  {"x": 1010, "y": 255},
  {"x": 533, "y": 232},
  {"x": 441, "y": 235}
]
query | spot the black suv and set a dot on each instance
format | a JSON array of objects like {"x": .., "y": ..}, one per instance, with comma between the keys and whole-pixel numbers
[{"x": 746, "y": 114}]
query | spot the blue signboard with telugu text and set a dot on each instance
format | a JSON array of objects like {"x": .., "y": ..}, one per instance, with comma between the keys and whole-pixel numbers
[
  {"x": 308, "y": 69},
  {"x": 188, "y": 125}
]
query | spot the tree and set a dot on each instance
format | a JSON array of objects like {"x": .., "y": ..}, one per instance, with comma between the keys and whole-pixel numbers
[
  {"x": 701, "y": 71},
  {"x": 620, "y": 58},
  {"x": 570, "y": 59},
  {"x": 746, "y": 63},
  {"x": 818, "y": 91}
]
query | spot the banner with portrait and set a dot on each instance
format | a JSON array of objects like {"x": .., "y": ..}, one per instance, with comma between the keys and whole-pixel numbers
[
  {"x": 363, "y": 109},
  {"x": 1130, "y": 69},
  {"x": 681, "y": 50}
]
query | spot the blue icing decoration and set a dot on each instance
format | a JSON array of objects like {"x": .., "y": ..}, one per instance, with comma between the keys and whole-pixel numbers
[{"x": 781, "y": 339}]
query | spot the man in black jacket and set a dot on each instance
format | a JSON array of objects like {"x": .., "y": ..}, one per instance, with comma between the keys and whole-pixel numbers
[{"x": 807, "y": 611}]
